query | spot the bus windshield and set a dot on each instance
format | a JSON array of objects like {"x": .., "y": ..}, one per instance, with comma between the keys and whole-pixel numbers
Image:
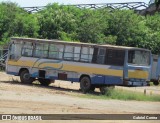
[{"x": 139, "y": 57}]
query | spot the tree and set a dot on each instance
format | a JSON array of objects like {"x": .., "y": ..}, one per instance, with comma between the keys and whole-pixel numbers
[
  {"x": 58, "y": 22},
  {"x": 153, "y": 33},
  {"x": 128, "y": 28},
  {"x": 121, "y": 27},
  {"x": 14, "y": 21},
  {"x": 92, "y": 26}
]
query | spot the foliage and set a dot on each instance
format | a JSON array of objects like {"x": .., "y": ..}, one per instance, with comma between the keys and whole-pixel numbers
[
  {"x": 91, "y": 26},
  {"x": 69, "y": 23},
  {"x": 14, "y": 21},
  {"x": 58, "y": 22},
  {"x": 121, "y": 94}
]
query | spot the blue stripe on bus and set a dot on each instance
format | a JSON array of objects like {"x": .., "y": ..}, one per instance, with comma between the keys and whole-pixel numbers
[
  {"x": 12, "y": 73},
  {"x": 106, "y": 80},
  {"x": 99, "y": 79},
  {"x": 34, "y": 75}
]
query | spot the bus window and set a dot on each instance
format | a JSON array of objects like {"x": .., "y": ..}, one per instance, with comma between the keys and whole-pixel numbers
[
  {"x": 77, "y": 51},
  {"x": 41, "y": 50},
  {"x": 137, "y": 57},
  {"x": 68, "y": 53},
  {"x": 90, "y": 54},
  {"x": 101, "y": 55},
  {"x": 86, "y": 54},
  {"x": 115, "y": 57},
  {"x": 27, "y": 49},
  {"x": 95, "y": 53},
  {"x": 15, "y": 51},
  {"x": 56, "y": 51}
]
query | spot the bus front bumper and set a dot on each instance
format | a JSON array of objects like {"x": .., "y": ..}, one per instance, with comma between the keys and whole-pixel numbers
[{"x": 135, "y": 82}]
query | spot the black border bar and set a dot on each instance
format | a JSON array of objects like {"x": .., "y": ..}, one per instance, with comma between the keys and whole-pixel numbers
[{"x": 79, "y": 116}]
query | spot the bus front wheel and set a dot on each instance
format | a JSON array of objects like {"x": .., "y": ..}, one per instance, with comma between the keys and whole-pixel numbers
[
  {"x": 85, "y": 84},
  {"x": 44, "y": 82},
  {"x": 25, "y": 77}
]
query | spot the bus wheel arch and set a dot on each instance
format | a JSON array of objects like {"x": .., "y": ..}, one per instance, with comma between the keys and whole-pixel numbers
[
  {"x": 25, "y": 76},
  {"x": 85, "y": 83},
  {"x": 22, "y": 69}
]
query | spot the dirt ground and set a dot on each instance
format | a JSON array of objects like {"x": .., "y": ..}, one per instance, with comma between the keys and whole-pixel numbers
[{"x": 59, "y": 98}]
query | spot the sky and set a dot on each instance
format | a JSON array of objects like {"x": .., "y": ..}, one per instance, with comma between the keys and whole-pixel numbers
[{"x": 31, "y": 3}]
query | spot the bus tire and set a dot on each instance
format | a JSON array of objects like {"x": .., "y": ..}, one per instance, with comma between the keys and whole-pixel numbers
[
  {"x": 103, "y": 90},
  {"x": 44, "y": 82},
  {"x": 25, "y": 77},
  {"x": 156, "y": 83},
  {"x": 85, "y": 84},
  {"x": 106, "y": 89},
  {"x": 92, "y": 88}
]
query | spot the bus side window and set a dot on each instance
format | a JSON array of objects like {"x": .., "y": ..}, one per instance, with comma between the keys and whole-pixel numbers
[
  {"x": 131, "y": 56},
  {"x": 15, "y": 51},
  {"x": 77, "y": 51},
  {"x": 86, "y": 54},
  {"x": 115, "y": 57},
  {"x": 37, "y": 51},
  {"x": 90, "y": 54},
  {"x": 68, "y": 53},
  {"x": 12, "y": 50},
  {"x": 95, "y": 54},
  {"x": 101, "y": 55},
  {"x": 120, "y": 56},
  {"x": 56, "y": 51},
  {"x": 45, "y": 50},
  {"x": 27, "y": 49},
  {"x": 41, "y": 50}
]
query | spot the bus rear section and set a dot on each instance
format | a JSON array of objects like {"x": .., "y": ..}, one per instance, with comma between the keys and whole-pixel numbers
[
  {"x": 137, "y": 67},
  {"x": 155, "y": 73}
]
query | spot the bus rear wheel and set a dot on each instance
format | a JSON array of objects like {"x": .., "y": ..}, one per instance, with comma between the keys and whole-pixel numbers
[
  {"x": 92, "y": 88},
  {"x": 85, "y": 84},
  {"x": 106, "y": 89},
  {"x": 44, "y": 82},
  {"x": 156, "y": 82},
  {"x": 103, "y": 90},
  {"x": 25, "y": 77}
]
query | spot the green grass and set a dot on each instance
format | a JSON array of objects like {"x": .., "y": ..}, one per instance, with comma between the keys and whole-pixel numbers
[{"x": 123, "y": 95}]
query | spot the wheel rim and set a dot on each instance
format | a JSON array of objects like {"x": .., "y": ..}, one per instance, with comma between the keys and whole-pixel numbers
[
  {"x": 26, "y": 76},
  {"x": 86, "y": 84}
]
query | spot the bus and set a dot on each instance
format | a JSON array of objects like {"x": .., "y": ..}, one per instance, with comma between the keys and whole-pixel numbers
[
  {"x": 155, "y": 74},
  {"x": 92, "y": 65}
]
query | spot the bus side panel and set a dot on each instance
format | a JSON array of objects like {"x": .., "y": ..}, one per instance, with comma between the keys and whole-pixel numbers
[
  {"x": 98, "y": 79},
  {"x": 12, "y": 70},
  {"x": 113, "y": 75},
  {"x": 154, "y": 68},
  {"x": 99, "y": 74},
  {"x": 113, "y": 80},
  {"x": 158, "y": 68}
]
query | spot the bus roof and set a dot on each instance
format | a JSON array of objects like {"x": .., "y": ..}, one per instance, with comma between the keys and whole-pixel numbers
[{"x": 73, "y": 43}]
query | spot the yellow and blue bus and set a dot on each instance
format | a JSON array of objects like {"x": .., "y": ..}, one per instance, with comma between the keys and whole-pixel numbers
[{"x": 92, "y": 65}]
